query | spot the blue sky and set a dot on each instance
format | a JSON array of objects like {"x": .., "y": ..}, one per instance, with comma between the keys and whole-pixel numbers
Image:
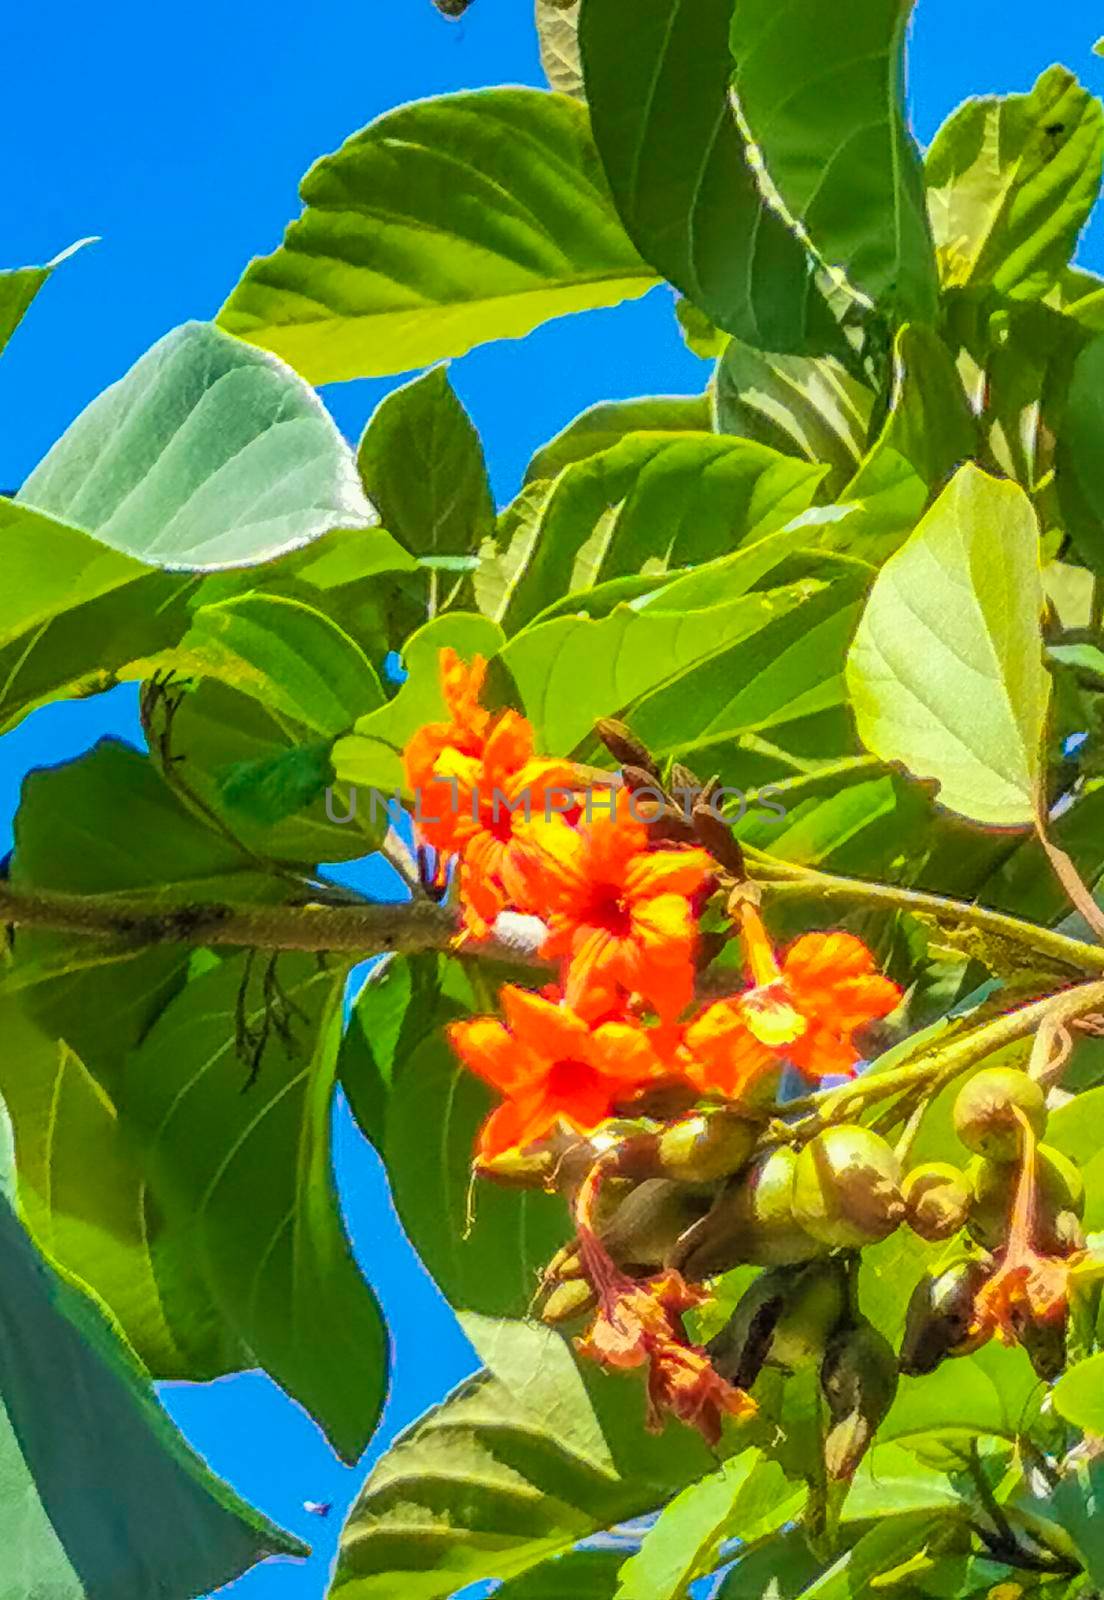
[{"x": 179, "y": 135}]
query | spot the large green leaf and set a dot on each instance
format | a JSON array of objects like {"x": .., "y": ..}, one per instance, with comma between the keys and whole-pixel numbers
[
  {"x": 442, "y": 225},
  {"x": 247, "y": 1164},
  {"x": 747, "y": 1498},
  {"x": 1079, "y": 1395},
  {"x": 568, "y": 672},
  {"x": 207, "y": 454},
  {"x": 582, "y": 1574},
  {"x": 286, "y": 654},
  {"x": 85, "y": 1201},
  {"x": 18, "y": 287},
  {"x": 653, "y": 501},
  {"x": 820, "y": 91},
  {"x": 102, "y": 1498},
  {"x": 508, "y": 1471},
  {"x": 657, "y": 83},
  {"x": 607, "y": 423},
  {"x": 421, "y": 462},
  {"x": 1011, "y": 182},
  {"x": 946, "y": 671},
  {"x": 802, "y": 405},
  {"x": 779, "y": 1569}
]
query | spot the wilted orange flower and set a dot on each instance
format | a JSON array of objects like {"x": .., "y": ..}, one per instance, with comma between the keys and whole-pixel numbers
[
  {"x": 553, "y": 1067},
  {"x": 476, "y": 780},
  {"x": 1028, "y": 1287},
  {"x": 805, "y": 1010},
  {"x": 641, "y": 1323},
  {"x": 620, "y": 914}
]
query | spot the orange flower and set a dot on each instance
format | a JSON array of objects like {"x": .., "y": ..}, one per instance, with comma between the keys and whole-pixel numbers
[
  {"x": 620, "y": 914},
  {"x": 476, "y": 782},
  {"x": 804, "y": 1010},
  {"x": 1028, "y": 1287},
  {"x": 640, "y": 1323},
  {"x": 553, "y": 1067}
]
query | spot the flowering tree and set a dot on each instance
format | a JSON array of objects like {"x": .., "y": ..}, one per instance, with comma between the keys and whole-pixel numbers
[{"x": 735, "y": 1053}]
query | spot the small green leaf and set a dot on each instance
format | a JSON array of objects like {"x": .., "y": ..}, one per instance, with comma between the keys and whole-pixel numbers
[
  {"x": 286, "y": 654},
  {"x": 680, "y": 175},
  {"x": 207, "y": 454},
  {"x": 1011, "y": 182},
  {"x": 558, "y": 32},
  {"x": 422, "y": 464},
  {"x": 19, "y": 286},
  {"x": 1080, "y": 442},
  {"x": 1079, "y": 1395},
  {"x": 802, "y": 405},
  {"x": 132, "y": 1512},
  {"x": 820, "y": 90},
  {"x": 748, "y": 1498},
  {"x": 443, "y": 225},
  {"x": 248, "y": 1166},
  {"x": 269, "y": 789},
  {"x": 946, "y": 671}
]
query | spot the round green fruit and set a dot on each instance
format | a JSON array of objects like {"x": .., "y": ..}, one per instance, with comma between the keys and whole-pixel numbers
[
  {"x": 985, "y": 1116},
  {"x": 937, "y": 1199},
  {"x": 846, "y": 1187},
  {"x": 762, "y": 1212},
  {"x": 703, "y": 1148}
]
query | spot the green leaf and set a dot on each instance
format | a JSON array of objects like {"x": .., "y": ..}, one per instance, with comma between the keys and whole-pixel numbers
[
  {"x": 269, "y": 789},
  {"x": 207, "y": 454},
  {"x": 747, "y": 1498},
  {"x": 133, "y": 1511},
  {"x": 1075, "y": 1504},
  {"x": 19, "y": 286},
  {"x": 582, "y": 1574},
  {"x": 1011, "y": 182},
  {"x": 800, "y": 405},
  {"x": 1079, "y": 1395},
  {"x": 422, "y": 464},
  {"x": 606, "y": 424},
  {"x": 779, "y": 1569},
  {"x": 568, "y": 672},
  {"x": 1080, "y": 486},
  {"x": 652, "y": 502},
  {"x": 85, "y": 1202},
  {"x": 108, "y": 823},
  {"x": 680, "y": 176},
  {"x": 509, "y": 1471},
  {"x": 248, "y": 1166},
  {"x": 879, "y": 1551},
  {"x": 558, "y": 32},
  {"x": 946, "y": 671},
  {"x": 371, "y": 756},
  {"x": 820, "y": 91},
  {"x": 490, "y": 1264},
  {"x": 286, "y": 654},
  {"x": 442, "y": 225},
  {"x": 702, "y": 336}
]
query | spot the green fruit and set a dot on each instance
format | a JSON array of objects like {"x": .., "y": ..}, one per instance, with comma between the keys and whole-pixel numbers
[
  {"x": 567, "y": 1302},
  {"x": 763, "y": 1208},
  {"x": 785, "y": 1319},
  {"x": 703, "y": 1148},
  {"x": 859, "y": 1378},
  {"x": 994, "y": 1183},
  {"x": 985, "y": 1112},
  {"x": 937, "y": 1199},
  {"x": 649, "y": 1222},
  {"x": 846, "y": 1187}
]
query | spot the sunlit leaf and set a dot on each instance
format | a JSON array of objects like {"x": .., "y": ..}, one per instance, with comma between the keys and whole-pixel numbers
[
  {"x": 442, "y": 225},
  {"x": 606, "y": 424},
  {"x": 19, "y": 285},
  {"x": 946, "y": 672},
  {"x": 558, "y": 31},
  {"x": 820, "y": 91}
]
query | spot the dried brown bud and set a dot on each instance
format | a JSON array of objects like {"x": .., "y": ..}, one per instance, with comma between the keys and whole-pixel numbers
[
  {"x": 717, "y": 837},
  {"x": 625, "y": 748}
]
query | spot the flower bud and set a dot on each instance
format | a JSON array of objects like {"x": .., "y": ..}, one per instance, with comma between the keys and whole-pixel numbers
[
  {"x": 940, "y": 1315},
  {"x": 859, "y": 1378},
  {"x": 985, "y": 1112},
  {"x": 846, "y": 1187},
  {"x": 625, "y": 748},
  {"x": 646, "y": 1227},
  {"x": 785, "y": 1318},
  {"x": 937, "y": 1199},
  {"x": 706, "y": 1146},
  {"x": 567, "y": 1302}
]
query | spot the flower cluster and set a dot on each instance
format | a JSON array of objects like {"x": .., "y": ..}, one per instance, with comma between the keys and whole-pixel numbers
[
  {"x": 622, "y": 912},
  {"x": 622, "y": 903}
]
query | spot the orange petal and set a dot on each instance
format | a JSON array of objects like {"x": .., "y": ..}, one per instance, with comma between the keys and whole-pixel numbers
[
  {"x": 484, "y": 1046},
  {"x": 680, "y": 872},
  {"x": 769, "y": 1014},
  {"x": 551, "y": 1032},
  {"x": 626, "y": 1053},
  {"x": 503, "y": 1130}
]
